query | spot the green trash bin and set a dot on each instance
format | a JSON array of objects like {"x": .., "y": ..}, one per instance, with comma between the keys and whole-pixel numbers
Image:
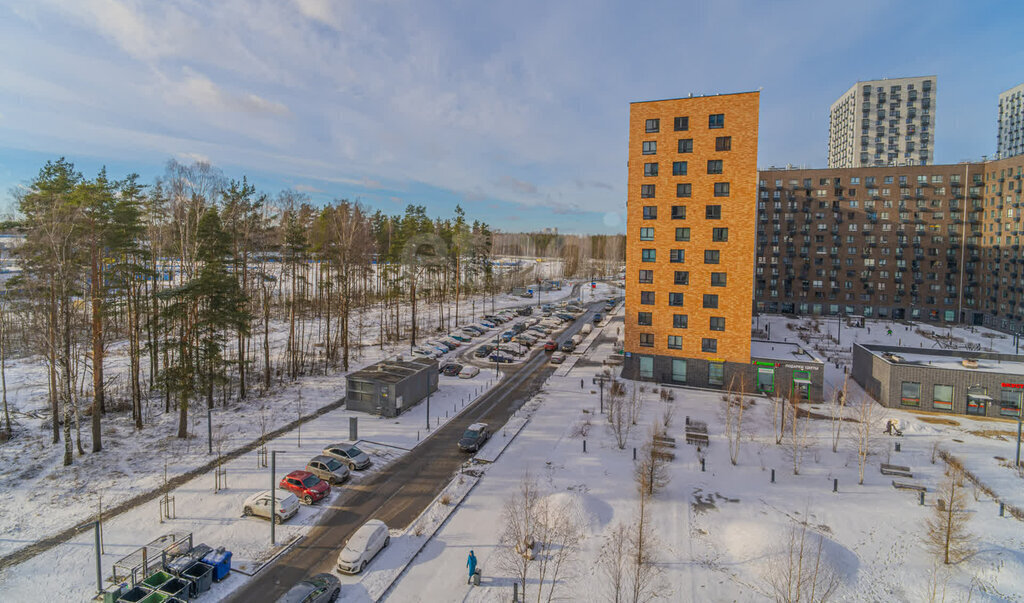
[
  {"x": 156, "y": 580},
  {"x": 135, "y": 594},
  {"x": 177, "y": 587},
  {"x": 155, "y": 597}
]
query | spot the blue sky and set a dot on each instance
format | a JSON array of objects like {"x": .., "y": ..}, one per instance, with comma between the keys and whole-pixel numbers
[{"x": 517, "y": 110}]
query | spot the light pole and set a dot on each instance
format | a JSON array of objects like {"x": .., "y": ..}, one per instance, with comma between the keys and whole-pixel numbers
[
  {"x": 209, "y": 428},
  {"x": 1020, "y": 400},
  {"x": 428, "y": 407},
  {"x": 273, "y": 495},
  {"x": 99, "y": 567}
]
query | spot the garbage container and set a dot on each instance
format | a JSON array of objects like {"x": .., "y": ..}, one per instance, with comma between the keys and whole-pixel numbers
[
  {"x": 201, "y": 576},
  {"x": 114, "y": 593},
  {"x": 155, "y": 597},
  {"x": 176, "y": 587},
  {"x": 133, "y": 595},
  {"x": 156, "y": 580},
  {"x": 220, "y": 559}
]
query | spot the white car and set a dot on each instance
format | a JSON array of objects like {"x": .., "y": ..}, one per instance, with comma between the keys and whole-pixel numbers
[
  {"x": 259, "y": 505},
  {"x": 363, "y": 546},
  {"x": 468, "y": 372},
  {"x": 558, "y": 358}
]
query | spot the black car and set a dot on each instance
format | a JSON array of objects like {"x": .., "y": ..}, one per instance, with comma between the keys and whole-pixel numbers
[
  {"x": 321, "y": 588},
  {"x": 474, "y": 438},
  {"x": 484, "y": 350},
  {"x": 598, "y": 318},
  {"x": 567, "y": 347},
  {"x": 451, "y": 370}
]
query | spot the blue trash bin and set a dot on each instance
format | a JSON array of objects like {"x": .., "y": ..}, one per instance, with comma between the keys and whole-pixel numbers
[{"x": 220, "y": 559}]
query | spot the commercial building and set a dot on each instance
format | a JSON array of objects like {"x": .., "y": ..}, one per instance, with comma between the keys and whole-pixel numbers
[
  {"x": 884, "y": 122},
  {"x": 692, "y": 194},
  {"x": 948, "y": 381},
  {"x": 1010, "y": 138},
  {"x": 390, "y": 387},
  {"x": 786, "y": 369}
]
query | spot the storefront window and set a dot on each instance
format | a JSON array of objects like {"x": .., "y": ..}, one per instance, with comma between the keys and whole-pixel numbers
[
  {"x": 1009, "y": 402},
  {"x": 679, "y": 370},
  {"x": 646, "y": 367},
  {"x": 911, "y": 394},
  {"x": 716, "y": 373},
  {"x": 942, "y": 398}
]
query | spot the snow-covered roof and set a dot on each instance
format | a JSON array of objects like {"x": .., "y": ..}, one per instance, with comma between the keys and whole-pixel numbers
[{"x": 780, "y": 350}]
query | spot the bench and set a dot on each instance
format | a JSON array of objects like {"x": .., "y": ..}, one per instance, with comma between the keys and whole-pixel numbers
[
  {"x": 665, "y": 441},
  {"x": 908, "y": 486},
  {"x": 663, "y": 455},
  {"x": 897, "y": 470},
  {"x": 700, "y": 439}
]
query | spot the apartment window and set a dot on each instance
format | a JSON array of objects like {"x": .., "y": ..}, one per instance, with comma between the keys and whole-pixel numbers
[
  {"x": 650, "y": 212},
  {"x": 910, "y": 394},
  {"x": 716, "y": 370},
  {"x": 648, "y": 255},
  {"x": 675, "y": 342},
  {"x": 719, "y": 234},
  {"x": 678, "y": 212},
  {"x": 684, "y": 189},
  {"x": 716, "y": 121},
  {"x": 646, "y": 191},
  {"x": 675, "y": 299},
  {"x": 682, "y": 277},
  {"x": 942, "y": 397},
  {"x": 647, "y": 340},
  {"x": 680, "y": 321},
  {"x": 652, "y": 125},
  {"x": 678, "y": 168},
  {"x": 646, "y": 367},
  {"x": 718, "y": 279},
  {"x": 723, "y": 143},
  {"x": 711, "y": 256},
  {"x": 681, "y": 124},
  {"x": 679, "y": 370},
  {"x": 650, "y": 169},
  {"x": 709, "y": 345},
  {"x": 683, "y": 234},
  {"x": 646, "y": 276},
  {"x": 717, "y": 323},
  {"x": 714, "y": 166},
  {"x": 647, "y": 298},
  {"x": 721, "y": 189},
  {"x": 677, "y": 256},
  {"x": 685, "y": 145},
  {"x": 643, "y": 319},
  {"x": 710, "y": 300},
  {"x": 647, "y": 234},
  {"x": 650, "y": 147},
  {"x": 713, "y": 212}
]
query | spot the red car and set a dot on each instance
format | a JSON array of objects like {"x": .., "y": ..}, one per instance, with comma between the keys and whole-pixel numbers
[
  {"x": 550, "y": 345},
  {"x": 308, "y": 487}
]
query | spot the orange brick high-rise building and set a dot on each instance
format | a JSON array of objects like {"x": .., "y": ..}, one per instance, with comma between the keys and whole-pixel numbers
[{"x": 691, "y": 227}]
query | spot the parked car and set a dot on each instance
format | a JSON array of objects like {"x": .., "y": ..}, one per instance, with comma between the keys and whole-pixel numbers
[
  {"x": 348, "y": 453},
  {"x": 363, "y": 546},
  {"x": 550, "y": 345},
  {"x": 586, "y": 329},
  {"x": 468, "y": 372},
  {"x": 487, "y": 323},
  {"x": 440, "y": 347},
  {"x": 484, "y": 350},
  {"x": 451, "y": 342},
  {"x": 598, "y": 318},
  {"x": 308, "y": 487},
  {"x": 508, "y": 335},
  {"x": 328, "y": 469},
  {"x": 501, "y": 358},
  {"x": 565, "y": 317},
  {"x": 558, "y": 358},
  {"x": 259, "y": 505},
  {"x": 426, "y": 352},
  {"x": 321, "y": 588},
  {"x": 451, "y": 369},
  {"x": 608, "y": 307},
  {"x": 473, "y": 331},
  {"x": 460, "y": 337},
  {"x": 567, "y": 346},
  {"x": 474, "y": 437},
  {"x": 576, "y": 339}
]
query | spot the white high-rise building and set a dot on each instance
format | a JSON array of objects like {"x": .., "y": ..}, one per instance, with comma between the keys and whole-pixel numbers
[
  {"x": 883, "y": 123},
  {"x": 1011, "y": 123}
]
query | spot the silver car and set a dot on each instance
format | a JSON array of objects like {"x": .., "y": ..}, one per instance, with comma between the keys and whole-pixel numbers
[
  {"x": 328, "y": 468},
  {"x": 259, "y": 505},
  {"x": 348, "y": 453}
]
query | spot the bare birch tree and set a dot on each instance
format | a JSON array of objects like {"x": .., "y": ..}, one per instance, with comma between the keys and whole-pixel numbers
[
  {"x": 947, "y": 535},
  {"x": 650, "y": 472},
  {"x": 837, "y": 414},
  {"x": 735, "y": 401},
  {"x": 868, "y": 416},
  {"x": 618, "y": 414},
  {"x": 798, "y": 571}
]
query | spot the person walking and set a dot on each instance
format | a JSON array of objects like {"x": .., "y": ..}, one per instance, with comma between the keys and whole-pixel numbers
[{"x": 471, "y": 564}]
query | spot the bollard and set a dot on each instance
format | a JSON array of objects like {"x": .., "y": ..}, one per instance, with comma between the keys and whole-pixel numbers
[
  {"x": 1002, "y": 507},
  {"x": 515, "y": 592},
  {"x": 773, "y": 476},
  {"x": 634, "y": 453},
  {"x": 417, "y": 435},
  {"x": 584, "y": 445},
  {"x": 835, "y": 484},
  {"x": 921, "y": 502},
  {"x": 702, "y": 464},
  {"x": 687, "y": 419},
  {"x": 897, "y": 446}
]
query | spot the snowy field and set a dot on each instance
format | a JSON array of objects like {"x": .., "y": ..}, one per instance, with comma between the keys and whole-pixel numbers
[{"x": 719, "y": 532}]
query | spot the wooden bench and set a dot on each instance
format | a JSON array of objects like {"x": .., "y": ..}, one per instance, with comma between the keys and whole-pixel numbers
[
  {"x": 700, "y": 439},
  {"x": 908, "y": 486},
  {"x": 663, "y": 454},
  {"x": 665, "y": 441},
  {"x": 897, "y": 470}
]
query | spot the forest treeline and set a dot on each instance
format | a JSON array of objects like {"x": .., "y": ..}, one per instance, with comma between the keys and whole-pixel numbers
[{"x": 216, "y": 290}]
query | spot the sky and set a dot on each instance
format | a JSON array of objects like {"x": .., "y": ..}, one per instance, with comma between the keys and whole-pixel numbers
[{"x": 518, "y": 111}]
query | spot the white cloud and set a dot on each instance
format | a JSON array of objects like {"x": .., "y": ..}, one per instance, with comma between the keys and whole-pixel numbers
[{"x": 324, "y": 11}]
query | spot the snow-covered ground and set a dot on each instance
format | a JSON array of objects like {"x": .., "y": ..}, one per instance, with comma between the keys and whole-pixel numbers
[{"x": 718, "y": 531}]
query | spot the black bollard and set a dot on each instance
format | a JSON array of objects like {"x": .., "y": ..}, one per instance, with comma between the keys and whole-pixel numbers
[
  {"x": 922, "y": 499},
  {"x": 702, "y": 464},
  {"x": 1001, "y": 509},
  {"x": 634, "y": 453},
  {"x": 773, "y": 476},
  {"x": 835, "y": 485},
  {"x": 584, "y": 445},
  {"x": 897, "y": 446}
]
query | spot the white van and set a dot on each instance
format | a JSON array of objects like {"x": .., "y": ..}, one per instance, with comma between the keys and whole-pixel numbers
[{"x": 586, "y": 329}]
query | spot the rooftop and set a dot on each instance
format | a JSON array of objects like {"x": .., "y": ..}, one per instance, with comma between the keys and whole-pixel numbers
[
  {"x": 393, "y": 371},
  {"x": 659, "y": 100},
  {"x": 949, "y": 359},
  {"x": 780, "y": 350}
]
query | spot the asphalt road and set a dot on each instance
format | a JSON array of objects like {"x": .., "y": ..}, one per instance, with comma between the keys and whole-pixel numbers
[{"x": 399, "y": 493}]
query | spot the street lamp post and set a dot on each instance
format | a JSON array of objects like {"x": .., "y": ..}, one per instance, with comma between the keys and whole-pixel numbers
[
  {"x": 1020, "y": 400},
  {"x": 99, "y": 566},
  {"x": 428, "y": 408},
  {"x": 209, "y": 428},
  {"x": 273, "y": 496}
]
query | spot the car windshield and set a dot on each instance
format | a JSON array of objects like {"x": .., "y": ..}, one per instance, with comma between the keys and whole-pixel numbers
[
  {"x": 311, "y": 481},
  {"x": 333, "y": 465},
  {"x": 353, "y": 451},
  {"x": 470, "y": 434}
]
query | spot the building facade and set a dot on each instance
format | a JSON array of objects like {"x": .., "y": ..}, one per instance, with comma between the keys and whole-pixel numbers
[
  {"x": 1010, "y": 137},
  {"x": 888, "y": 122},
  {"x": 996, "y": 238},
  {"x": 692, "y": 194}
]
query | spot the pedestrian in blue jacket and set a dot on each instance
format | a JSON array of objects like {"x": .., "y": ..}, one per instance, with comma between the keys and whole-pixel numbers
[{"x": 471, "y": 564}]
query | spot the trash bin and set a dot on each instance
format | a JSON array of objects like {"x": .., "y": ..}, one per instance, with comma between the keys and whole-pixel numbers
[
  {"x": 155, "y": 597},
  {"x": 176, "y": 587},
  {"x": 201, "y": 575},
  {"x": 156, "y": 580},
  {"x": 220, "y": 559},
  {"x": 114, "y": 593},
  {"x": 133, "y": 595}
]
